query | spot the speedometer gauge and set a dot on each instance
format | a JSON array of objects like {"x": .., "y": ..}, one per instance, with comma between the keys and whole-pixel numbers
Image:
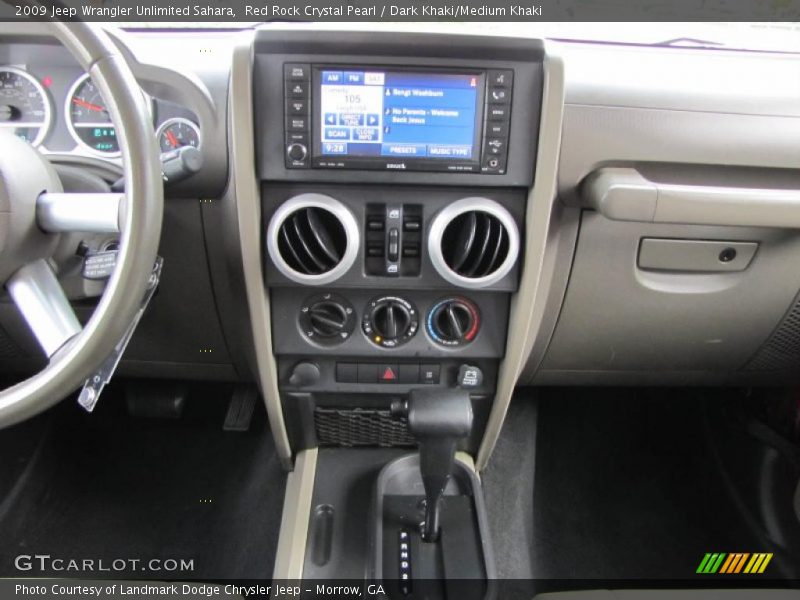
[
  {"x": 24, "y": 105},
  {"x": 88, "y": 119}
]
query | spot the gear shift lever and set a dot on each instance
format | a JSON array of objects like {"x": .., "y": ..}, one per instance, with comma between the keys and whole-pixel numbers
[{"x": 438, "y": 420}]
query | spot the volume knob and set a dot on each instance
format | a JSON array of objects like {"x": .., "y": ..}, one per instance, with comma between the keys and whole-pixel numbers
[{"x": 297, "y": 152}]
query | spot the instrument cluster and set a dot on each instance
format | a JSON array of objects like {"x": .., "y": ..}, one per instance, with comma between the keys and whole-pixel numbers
[{"x": 64, "y": 112}]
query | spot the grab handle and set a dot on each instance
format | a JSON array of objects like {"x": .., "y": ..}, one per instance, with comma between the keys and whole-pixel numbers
[{"x": 623, "y": 194}]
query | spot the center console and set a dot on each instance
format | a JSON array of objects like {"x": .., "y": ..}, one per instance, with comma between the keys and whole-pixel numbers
[{"x": 394, "y": 175}]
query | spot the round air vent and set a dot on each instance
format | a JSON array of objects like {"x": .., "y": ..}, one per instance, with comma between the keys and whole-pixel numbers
[
  {"x": 473, "y": 243},
  {"x": 313, "y": 239}
]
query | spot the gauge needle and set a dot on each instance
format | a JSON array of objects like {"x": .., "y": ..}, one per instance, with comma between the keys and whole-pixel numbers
[
  {"x": 88, "y": 105},
  {"x": 173, "y": 141}
]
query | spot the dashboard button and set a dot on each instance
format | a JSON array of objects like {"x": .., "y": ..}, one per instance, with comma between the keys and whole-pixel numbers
[
  {"x": 412, "y": 224},
  {"x": 297, "y": 124},
  {"x": 429, "y": 374},
  {"x": 498, "y": 112},
  {"x": 297, "y": 72},
  {"x": 394, "y": 244},
  {"x": 367, "y": 373},
  {"x": 497, "y": 129},
  {"x": 495, "y": 147},
  {"x": 347, "y": 372},
  {"x": 408, "y": 374},
  {"x": 499, "y": 95},
  {"x": 375, "y": 250},
  {"x": 387, "y": 373},
  {"x": 504, "y": 78},
  {"x": 296, "y": 107},
  {"x": 297, "y": 89}
]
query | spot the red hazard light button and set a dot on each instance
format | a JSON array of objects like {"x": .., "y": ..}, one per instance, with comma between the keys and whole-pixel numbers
[{"x": 387, "y": 373}]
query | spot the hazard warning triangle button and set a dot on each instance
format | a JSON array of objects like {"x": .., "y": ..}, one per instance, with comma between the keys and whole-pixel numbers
[{"x": 388, "y": 373}]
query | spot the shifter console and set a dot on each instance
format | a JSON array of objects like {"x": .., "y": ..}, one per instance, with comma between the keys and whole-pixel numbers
[
  {"x": 431, "y": 535},
  {"x": 438, "y": 420}
]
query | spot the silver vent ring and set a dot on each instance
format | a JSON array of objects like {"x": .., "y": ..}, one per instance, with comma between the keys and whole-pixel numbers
[
  {"x": 446, "y": 216},
  {"x": 338, "y": 210}
]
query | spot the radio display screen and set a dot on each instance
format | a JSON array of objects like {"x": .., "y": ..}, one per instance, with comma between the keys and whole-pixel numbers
[{"x": 397, "y": 114}]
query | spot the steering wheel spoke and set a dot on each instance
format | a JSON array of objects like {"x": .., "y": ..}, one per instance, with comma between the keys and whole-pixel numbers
[
  {"x": 29, "y": 216},
  {"x": 44, "y": 306},
  {"x": 92, "y": 213}
]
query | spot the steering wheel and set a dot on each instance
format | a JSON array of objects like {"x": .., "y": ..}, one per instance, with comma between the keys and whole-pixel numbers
[{"x": 34, "y": 211}]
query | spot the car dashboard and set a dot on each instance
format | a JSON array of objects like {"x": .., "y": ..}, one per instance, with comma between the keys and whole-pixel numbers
[{"x": 378, "y": 214}]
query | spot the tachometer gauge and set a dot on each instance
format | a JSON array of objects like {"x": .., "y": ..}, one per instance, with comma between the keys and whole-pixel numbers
[
  {"x": 88, "y": 119},
  {"x": 24, "y": 105},
  {"x": 177, "y": 133}
]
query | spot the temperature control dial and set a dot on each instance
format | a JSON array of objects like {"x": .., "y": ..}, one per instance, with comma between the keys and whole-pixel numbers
[
  {"x": 453, "y": 322},
  {"x": 390, "y": 321},
  {"x": 327, "y": 319}
]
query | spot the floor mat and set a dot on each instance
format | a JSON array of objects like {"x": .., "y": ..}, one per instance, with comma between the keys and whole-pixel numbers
[
  {"x": 625, "y": 486},
  {"x": 108, "y": 486}
]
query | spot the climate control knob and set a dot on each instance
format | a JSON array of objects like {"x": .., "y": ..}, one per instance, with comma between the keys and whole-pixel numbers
[
  {"x": 390, "y": 321},
  {"x": 453, "y": 322},
  {"x": 327, "y": 319}
]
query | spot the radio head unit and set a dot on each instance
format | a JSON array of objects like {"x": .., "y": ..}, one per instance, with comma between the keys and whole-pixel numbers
[{"x": 368, "y": 117}]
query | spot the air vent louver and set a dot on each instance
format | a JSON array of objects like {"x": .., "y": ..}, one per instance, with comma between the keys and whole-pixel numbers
[
  {"x": 313, "y": 239},
  {"x": 474, "y": 242}
]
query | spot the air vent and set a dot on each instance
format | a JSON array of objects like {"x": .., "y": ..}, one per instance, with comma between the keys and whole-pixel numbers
[
  {"x": 474, "y": 242},
  {"x": 313, "y": 239}
]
